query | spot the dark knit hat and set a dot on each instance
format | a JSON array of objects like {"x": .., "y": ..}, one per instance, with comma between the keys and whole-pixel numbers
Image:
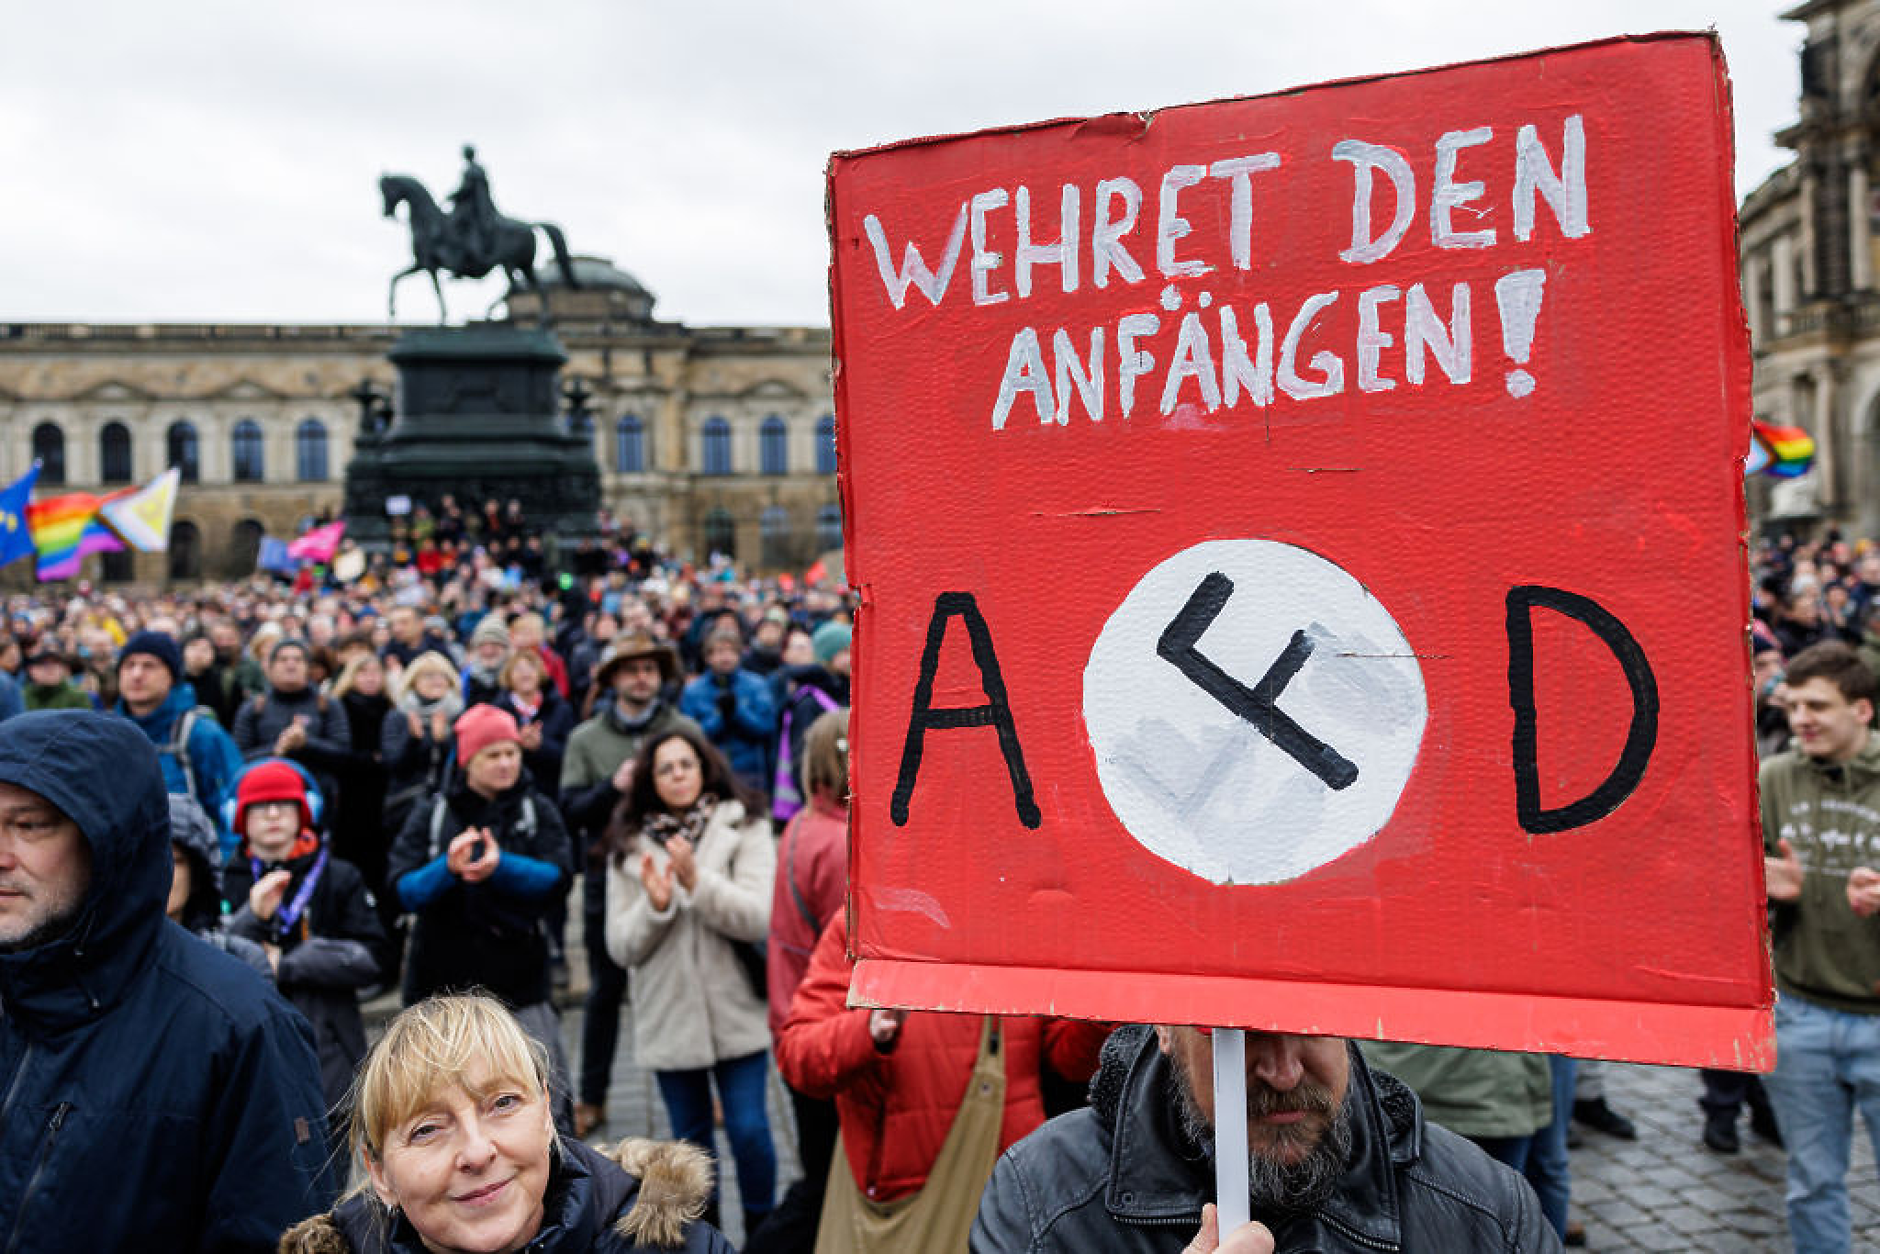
[
  {"x": 157, "y": 645},
  {"x": 270, "y": 781}
]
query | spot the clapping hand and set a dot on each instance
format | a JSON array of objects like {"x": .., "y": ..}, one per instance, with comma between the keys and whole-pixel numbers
[
  {"x": 264, "y": 896},
  {"x": 292, "y": 736},
  {"x": 1782, "y": 873},
  {"x": 657, "y": 881},
  {"x": 1863, "y": 891},
  {"x": 684, "y": 866},
  {"x": 473, "y": 855}
]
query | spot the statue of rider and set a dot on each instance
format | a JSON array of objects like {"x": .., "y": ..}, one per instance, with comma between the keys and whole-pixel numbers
[{"x": 473, "y": 213}]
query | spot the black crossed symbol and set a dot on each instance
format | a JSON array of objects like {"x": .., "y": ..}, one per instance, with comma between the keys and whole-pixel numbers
[{"x": 1258, "y": 704}]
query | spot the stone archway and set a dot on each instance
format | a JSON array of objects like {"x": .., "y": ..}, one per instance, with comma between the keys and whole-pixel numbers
[{"x": 244, "y": 546}]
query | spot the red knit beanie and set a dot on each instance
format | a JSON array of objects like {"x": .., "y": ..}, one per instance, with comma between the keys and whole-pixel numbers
[
  {"x": 481, "y": 726},
  {"x": 270, "y": 781}
]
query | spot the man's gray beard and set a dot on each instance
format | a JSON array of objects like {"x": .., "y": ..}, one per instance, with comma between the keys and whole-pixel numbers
[
  {"x": 1278, "y": 1188},
  {"x": 46, "y": 930}
]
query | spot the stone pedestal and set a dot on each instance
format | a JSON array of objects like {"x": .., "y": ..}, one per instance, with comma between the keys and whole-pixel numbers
[{"x": 478, "y": 415}]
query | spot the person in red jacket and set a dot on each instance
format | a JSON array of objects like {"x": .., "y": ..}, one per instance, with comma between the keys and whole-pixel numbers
[
  {"x": 812, "y": 884},
  {"x": 898, "y": 1077}
]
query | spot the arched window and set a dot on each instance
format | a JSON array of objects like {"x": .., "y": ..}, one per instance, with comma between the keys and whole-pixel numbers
[
  {"x": 185, "y": 550},
  {"x": 114, "y": 453},
  {"x": 245, "y": 452},
  {"x": 826, "y": 445},
  {"x": 49, "y": 452},
  {"x": 720, "y": 534},
  {"x": 715, "y": 450},
  {"x": 774, "y": 527},
  {"x": 182, "y": 450},
  {"x": 310, "y": 451},
  {"x": 828, "y": 528},
  {"x": 630, "y": 445},
  {"x": 773, "y": 446},
  {"x": 117, "y": 566},
  {"x": 244, "y": 546}
]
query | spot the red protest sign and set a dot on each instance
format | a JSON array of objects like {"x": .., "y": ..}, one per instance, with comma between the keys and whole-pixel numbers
[{"x": 1300, "y": 549}]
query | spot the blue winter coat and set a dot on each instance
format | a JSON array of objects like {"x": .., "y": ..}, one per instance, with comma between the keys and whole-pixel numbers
[
  {"x": 214, "y": 760},
  {"x": 158, "y": 1095},
  {"x": 744, "y": 730},
  {"x": 12, "y": 700}
]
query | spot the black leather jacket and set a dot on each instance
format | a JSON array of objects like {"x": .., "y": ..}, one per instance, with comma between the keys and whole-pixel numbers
[{"x": 1122, "y": 1176}]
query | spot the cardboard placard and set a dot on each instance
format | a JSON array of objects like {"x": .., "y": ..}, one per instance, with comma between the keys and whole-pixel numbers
[{"x": 1300, "y": 547}]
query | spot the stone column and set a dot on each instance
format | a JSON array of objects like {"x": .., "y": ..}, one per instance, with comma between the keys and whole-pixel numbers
[
  {"x": 1752, "y": 301},
  {"x": 1860, "y": 231},
  {"x": 1821, "y": 424},
  {"x": 1782, "y": 257}
]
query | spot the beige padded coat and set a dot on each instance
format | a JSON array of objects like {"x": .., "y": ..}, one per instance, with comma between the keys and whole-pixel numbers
[{"x": 692, "y": 1004}]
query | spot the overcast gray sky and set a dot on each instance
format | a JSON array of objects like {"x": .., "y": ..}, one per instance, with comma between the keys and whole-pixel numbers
[{"x": 217, "y": 160}]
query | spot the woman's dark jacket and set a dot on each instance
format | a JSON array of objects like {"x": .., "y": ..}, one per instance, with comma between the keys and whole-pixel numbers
[
  {"x": 557, "y": 719},
  {"x": 592, "y": 1206},
  {"x": 478, "y": 935},
  {"x": 415, "y": 766},
  {"x": 359, "y": 832}
]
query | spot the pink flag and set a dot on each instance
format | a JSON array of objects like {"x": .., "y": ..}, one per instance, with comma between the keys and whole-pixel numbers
[{"x": 318, "y": 545}]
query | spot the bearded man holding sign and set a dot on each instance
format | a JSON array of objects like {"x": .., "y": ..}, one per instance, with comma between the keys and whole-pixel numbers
[{"x": 1340, "y": 1158}]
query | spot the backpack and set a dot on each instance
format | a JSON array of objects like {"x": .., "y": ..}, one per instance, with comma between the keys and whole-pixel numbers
[
  {"x": 788, "y": 799},
  {"x": 178, "y": 747}
]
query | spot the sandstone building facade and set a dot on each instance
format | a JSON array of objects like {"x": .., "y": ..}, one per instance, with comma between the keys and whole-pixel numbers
[
  {"x": 1810, "y": 258},
  {"x": 711, "y": 439}
]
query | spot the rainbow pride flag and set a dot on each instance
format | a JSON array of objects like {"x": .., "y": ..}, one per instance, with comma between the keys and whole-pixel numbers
[
  {"x": 66, "y": 528},
  {"x": 1781, "y": 452}
]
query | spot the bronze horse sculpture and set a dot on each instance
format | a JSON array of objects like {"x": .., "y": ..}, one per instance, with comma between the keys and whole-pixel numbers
[{"x": 435, "y": 246}]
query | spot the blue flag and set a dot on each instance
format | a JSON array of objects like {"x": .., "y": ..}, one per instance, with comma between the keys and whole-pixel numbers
[
  {"x": 16, "y": 538},
  {"x": 275, "y": 557}
]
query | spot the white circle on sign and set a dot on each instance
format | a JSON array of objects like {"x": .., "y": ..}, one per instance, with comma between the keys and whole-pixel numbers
[{"x": 1254, "y": 710}]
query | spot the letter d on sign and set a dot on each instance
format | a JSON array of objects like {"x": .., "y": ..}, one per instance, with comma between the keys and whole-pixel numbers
[{"x": 1640, "y": 738}]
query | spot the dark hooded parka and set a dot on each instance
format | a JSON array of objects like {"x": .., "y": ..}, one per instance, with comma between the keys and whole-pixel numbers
[{"x": 155, "y": 1094}]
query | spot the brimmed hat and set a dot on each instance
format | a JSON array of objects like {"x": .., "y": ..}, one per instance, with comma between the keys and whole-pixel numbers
[{"x": 636, "y": 645}]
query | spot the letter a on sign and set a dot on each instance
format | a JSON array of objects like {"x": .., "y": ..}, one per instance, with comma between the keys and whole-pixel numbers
[
  {"x": 1342, "y": 709},
  {"x": 995, "y": 713}
]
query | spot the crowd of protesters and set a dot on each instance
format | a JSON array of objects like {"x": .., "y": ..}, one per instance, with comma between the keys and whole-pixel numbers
[
  {"x": 402, "y": 781},
  {"x": 392, "y": 780}
]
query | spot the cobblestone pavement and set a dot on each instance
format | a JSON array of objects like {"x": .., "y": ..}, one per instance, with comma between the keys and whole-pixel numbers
[{"x": 1666, "y": 1192}]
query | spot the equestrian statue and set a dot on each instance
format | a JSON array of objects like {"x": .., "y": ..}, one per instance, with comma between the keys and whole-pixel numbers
[{"x": 472, "y": 239}]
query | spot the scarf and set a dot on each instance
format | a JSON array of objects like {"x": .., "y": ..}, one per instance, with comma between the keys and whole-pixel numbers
[
  {"x": 451, "y": 703},
  {"x": 305, "y": 843},
  {"x": 689, "y": 822},
  {"x": 631, "y": 726}
]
